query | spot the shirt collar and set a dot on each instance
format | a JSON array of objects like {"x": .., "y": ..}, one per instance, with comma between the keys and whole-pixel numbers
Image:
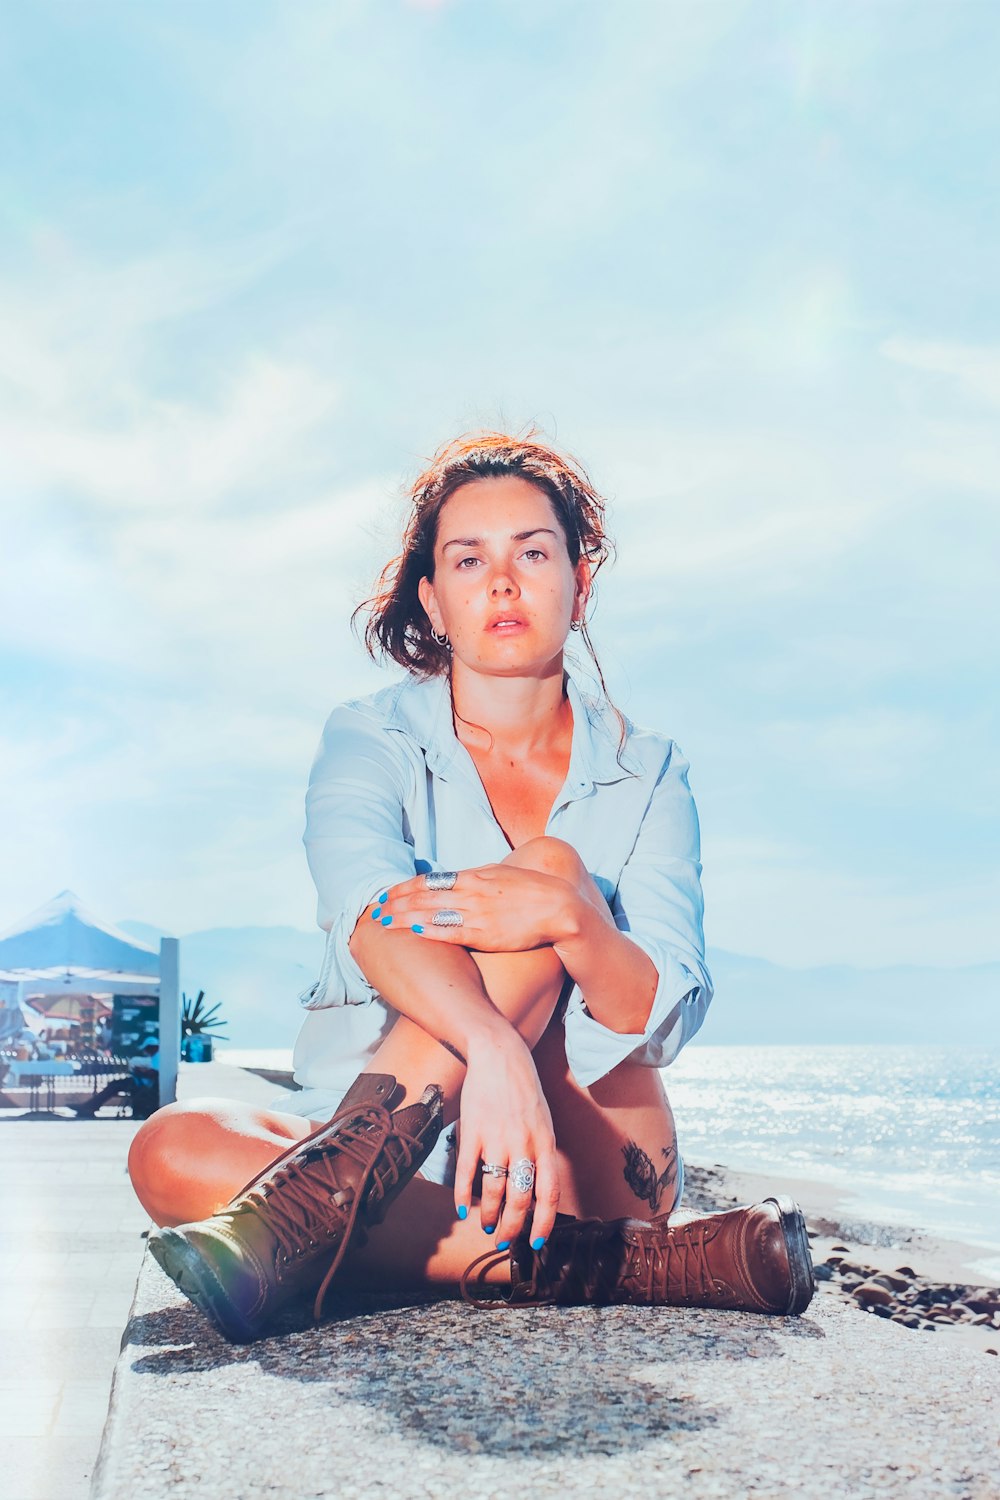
[{"x": 421, "y": 708}]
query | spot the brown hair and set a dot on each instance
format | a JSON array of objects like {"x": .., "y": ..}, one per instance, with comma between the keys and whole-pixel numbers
[{"x": 398, "y": 626}]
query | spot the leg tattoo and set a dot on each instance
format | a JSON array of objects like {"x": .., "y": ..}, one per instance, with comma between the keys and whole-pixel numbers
[{"x": 640, "y": 1174}]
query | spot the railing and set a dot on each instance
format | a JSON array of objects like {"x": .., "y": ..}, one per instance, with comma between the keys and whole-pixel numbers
[{"x": 90, "y": 1072}]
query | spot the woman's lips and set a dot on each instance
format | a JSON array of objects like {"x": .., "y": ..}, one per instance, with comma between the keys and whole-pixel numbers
[{"x": 507, "y": 627}]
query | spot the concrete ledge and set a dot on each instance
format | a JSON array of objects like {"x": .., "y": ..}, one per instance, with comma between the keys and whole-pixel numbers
[{"x": 427, "y": 1397}]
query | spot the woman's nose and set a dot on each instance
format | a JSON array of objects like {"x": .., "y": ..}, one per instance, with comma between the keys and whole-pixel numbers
[{"x": 503, "y": 583}]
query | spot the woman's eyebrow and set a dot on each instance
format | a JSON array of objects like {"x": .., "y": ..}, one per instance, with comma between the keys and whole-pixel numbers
[{"x": 477, "y": 541}]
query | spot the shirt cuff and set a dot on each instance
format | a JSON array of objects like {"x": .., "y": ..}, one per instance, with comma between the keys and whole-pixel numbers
[
  {"x": 679, "y": 1006},
  {"x": 341, "y": 979}
]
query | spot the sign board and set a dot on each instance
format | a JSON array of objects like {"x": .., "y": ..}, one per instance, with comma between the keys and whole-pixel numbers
[{"x": 135, "y": 1019}]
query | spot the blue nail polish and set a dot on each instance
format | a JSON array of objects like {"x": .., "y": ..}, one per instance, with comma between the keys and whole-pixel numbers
[
  {"x": 503, "y": 1244},
  {"x": 416, "y": 927},
  {"x": 463, "y": 1212},
  {"x": 384, "y": 896},
  {"x": 488, "y": 1228},
  {"x": 376, "y": 913},
  {"x": 537, "y": 1244},
  {"x": 387, "y": 920}
]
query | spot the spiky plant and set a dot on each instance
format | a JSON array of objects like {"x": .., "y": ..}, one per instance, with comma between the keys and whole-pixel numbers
[{"x": 197, "y": 1020}]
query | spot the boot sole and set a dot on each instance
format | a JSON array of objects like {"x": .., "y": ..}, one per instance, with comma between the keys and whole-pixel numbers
[
  {"x": 178, "y": 1258},
  {"x": 793, "y": 1225}
]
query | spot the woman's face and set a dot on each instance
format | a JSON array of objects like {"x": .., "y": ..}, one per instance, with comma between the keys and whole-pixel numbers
[{"x": 485, "y": 566}]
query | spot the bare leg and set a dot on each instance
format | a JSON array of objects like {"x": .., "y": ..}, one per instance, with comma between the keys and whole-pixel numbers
[
  {"x": 617, "y": 1157},
  {"x": 191, "y": 1159}
]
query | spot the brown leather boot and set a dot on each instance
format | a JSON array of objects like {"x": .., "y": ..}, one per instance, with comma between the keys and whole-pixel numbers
[
  {"x": 294, "y": 1221},
  {"x": 753, "y": 1259}
]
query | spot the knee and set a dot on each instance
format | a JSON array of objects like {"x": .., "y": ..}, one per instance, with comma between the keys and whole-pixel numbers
[
  {"x": 553, "y": 855},
  {"x": 167, "y": 1146}
]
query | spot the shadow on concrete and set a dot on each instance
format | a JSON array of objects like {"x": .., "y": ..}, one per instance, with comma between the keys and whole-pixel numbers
[{"x": 553, "y": 1381}]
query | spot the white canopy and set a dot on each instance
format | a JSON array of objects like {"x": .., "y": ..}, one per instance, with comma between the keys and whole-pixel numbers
[{"x": 63, "y": 947}]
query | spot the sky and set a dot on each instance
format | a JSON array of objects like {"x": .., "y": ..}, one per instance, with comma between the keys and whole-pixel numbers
[{"x": 259, "y": 262}]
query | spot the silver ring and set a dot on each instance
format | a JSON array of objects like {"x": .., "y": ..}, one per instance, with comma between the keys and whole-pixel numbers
[
  {"x": 490, "y": 1169},
  {"x": 447, "y": 918},
  {"x": 522, "y": 1175},
  {"x": 440, "y": 880}
]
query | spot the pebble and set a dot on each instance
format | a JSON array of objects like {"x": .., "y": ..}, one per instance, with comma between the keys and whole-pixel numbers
[
  {"x": 871, "y": 1293},
  {"x": 904, "y": 1298}
]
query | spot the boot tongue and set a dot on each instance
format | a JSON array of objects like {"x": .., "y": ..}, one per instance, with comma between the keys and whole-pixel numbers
[{"x": 373, "y": 1088}]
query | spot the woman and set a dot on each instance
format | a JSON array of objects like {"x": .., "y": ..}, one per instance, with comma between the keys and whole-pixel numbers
[{"x": 509, "y": 877}]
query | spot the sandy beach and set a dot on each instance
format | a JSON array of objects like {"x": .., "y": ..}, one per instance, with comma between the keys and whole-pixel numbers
[{"x": 923, "y": 1273}]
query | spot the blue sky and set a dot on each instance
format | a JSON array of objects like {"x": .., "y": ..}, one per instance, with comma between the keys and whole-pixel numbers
[{"x": 259, "y": 261}]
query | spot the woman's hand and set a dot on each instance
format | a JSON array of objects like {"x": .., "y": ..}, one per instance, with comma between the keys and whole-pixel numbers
[
  {"x": 505, "y": 908},
  {"x": 504, "y": 1118}
]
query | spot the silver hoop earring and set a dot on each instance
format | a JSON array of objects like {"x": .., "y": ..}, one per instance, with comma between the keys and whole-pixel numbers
[
  {"x": 442, "y": 640},
  {"x": 576, "y": 624}
]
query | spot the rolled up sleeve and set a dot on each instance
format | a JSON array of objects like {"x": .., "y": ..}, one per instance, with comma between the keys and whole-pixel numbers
[
  {"x": 355, "y": 844},
  {"x": 660, "y": 905}
]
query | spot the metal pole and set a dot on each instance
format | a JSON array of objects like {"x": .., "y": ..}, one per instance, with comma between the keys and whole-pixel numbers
[{"x": 170, "y": 1018}]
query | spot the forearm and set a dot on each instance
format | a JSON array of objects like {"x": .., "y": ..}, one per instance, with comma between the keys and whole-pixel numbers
[
  {"x": 617, "y": 979},
  {"x": 437, "y": 985}
]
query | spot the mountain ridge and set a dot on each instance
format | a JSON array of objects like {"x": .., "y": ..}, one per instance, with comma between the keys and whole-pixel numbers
[{"x": 258, "y": 973}]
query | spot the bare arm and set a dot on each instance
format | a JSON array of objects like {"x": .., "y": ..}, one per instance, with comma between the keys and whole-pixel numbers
[
  {"x": 439, "y": 986},
  {"x": 617, "y": 979},
  {"x": 504, "y": 1115}
]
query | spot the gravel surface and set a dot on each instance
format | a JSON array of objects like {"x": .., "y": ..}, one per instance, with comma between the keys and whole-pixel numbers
[{"x": 430, "y": 1398}]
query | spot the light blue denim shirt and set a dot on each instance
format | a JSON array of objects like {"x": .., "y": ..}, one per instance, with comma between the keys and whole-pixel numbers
[{"x": 393, "y": 792}]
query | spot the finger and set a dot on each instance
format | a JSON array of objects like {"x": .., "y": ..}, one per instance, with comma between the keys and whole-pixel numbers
[
  {"x": 517, "y": 1206},
  {"x": 546, "y": 1198},
  {"x": 466, "y": 1166},
  {"x": 491, "y": 1202},
  {"x": 403, "y": 912}
]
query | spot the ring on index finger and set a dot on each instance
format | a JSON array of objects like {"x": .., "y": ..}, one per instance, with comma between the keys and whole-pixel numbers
[
  {"x": 491, "y": 1169},
  {"x": 522, "y": 1175},
  {"x": 440, "y": 880}
]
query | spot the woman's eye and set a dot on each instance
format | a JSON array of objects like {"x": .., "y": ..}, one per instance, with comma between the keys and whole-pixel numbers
[{"x": 537, "y": 551}]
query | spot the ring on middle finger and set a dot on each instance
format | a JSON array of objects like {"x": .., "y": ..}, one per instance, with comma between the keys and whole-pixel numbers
[
  {"x": 447, "y": 918},
  {"x": 440, "y": 880},
  {"x": 522, "y": 1175}
]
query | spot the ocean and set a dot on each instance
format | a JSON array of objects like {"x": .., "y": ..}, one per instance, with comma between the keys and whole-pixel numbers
[{"x": 912, "y": 1133}]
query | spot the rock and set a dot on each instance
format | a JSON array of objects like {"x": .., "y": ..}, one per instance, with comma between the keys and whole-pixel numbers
[
  {"x": 906, "y": 1271},
  {"x": 871, "y": 1293},
  {"x": 825, "y": 1273},
  {"x": 891, "y": 1280}
]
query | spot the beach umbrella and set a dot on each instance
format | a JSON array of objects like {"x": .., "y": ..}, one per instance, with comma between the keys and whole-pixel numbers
[{"x": 69, "y": 1007}]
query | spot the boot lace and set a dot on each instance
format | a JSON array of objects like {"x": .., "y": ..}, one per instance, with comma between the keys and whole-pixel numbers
[
  {"x": 664, "y": 1268},
  {"x": 571, "y": 1267},
  {"x": 296, "y": 1197}
]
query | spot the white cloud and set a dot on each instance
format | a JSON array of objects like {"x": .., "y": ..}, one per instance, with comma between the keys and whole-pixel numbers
[{"x": 976, "y": 368}]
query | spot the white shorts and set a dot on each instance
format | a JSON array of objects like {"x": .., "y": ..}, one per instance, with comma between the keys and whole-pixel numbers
[{"x": 321, "y": 1104}]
